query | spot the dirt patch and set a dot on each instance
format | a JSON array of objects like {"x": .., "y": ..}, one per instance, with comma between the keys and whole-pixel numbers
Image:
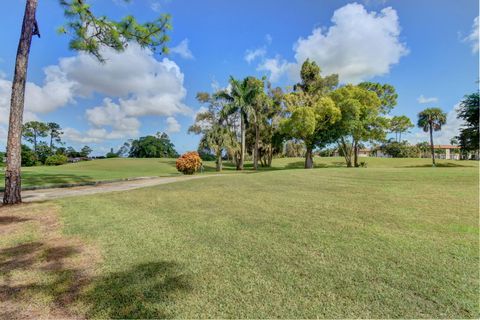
[{"x": 42, "y": 272}]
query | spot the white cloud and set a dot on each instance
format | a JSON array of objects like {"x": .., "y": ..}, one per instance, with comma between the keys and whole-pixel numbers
[
  {"x": 144, "y": 86},
  {"x": 183, "y": 50},
  {"x": 473, "y": 37},
  {"x": 277, "y": 67},
  {"x": 358, "y": 46},
  {"x": 251, "y": 55},
  {"x": 172, "y": 125},
  {"x": 56, "y": 92},
  {"x": 134, "y": 82},
  {"x": 73, "y": 135},
  {"x": 423, "y": 99}
]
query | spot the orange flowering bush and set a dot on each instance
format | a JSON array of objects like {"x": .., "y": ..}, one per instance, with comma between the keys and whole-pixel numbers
[{"x": 189, "y": 162}]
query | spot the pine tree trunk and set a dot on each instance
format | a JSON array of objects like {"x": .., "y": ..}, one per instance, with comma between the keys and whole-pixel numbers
[
  {"x": 309, "y": 158},
  {"x": 432, "y": 149},
  {"x": 14, "y": 151}
]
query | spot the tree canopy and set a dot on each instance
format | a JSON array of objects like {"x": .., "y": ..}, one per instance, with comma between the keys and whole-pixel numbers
[{"x": 158, "y": 146}]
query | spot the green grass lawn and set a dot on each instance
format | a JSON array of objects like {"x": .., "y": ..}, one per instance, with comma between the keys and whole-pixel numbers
[
  {"x": 396, "y": 239},
  {"x": 95, "y": 170},
  {"x": 111, "y": 169}
]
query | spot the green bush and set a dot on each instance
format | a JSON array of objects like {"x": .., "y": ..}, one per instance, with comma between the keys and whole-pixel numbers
[
  {"x": 29, "y": 158},
  {"x": 56, "y": 160},
  {"x": 111, "y": 155}
]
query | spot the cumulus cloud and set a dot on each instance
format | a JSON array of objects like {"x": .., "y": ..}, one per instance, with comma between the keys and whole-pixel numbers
[
  {"x": 473, "y": 37},
  {"x": 182, "y": 50},
  {"x": 277, "y": 67},
  {"x": 251, "y": 55},
  {"x": 55, "y": 92},
  {"x": 358, "y": 45},
  {"x": 422, "y": 99},
  {"x": 172, "y": 125},
  {"x": 134, "y": 82}
]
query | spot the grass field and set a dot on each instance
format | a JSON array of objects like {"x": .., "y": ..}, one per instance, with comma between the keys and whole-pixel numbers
[
  {"x": 120, "y": 168},
  {"x": 396, "y": 239}
]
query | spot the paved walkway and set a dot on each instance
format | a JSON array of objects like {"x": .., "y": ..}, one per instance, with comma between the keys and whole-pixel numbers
[{"x": 55, "y": 193}]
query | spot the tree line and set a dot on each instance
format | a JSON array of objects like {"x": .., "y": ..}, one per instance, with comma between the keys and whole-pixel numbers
[{"x": 251, "y": 116}]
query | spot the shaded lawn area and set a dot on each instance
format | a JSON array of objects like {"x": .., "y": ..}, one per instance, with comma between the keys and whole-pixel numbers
[{"x": 335, "y": 243}]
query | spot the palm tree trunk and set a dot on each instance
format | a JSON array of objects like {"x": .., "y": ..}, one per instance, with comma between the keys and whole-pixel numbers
[
  {"x": 219, "y": 161},
  {"x": 431, "y": 145},
  {"x": 51, "y": 141},
  {"x": 14, "y": 151},
  {"x": 255, "y": 152},
  {"x": 242, "y": 147}
]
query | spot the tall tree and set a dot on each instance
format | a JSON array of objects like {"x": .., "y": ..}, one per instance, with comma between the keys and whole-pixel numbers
[
  {"x": 55, "y": 132},
  {"x": 33, "y": 130},
  {"x": 158, "y": 146},
  {"x": 85, "y": 151},
  {"x": 430, "y": 120},
  {"x": 361, "y": 120},
  {"x": 468, "y": 111},
  {"x": 212, "y": 126},
  {"x": 89, "y": 33},
  {"x": 399, "y": 125},
  {"x": 312, "y": 111},
  {"x": 271, "y": 136},
  {"x": 385, "y": 92},
  {"x": 241, "y": 97},
  {"x": 260, "y": 105}
]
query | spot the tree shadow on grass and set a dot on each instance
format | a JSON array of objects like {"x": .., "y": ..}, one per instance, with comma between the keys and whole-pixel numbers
[
  {"x": 440, "y": 165},
  {"x": 301, "y": 165},
  {"x": 43, "y": 179},
  {"x": 143, "y": 291},
  {"x": 5, "y": 220},
  {"x": 52, "y": 273}
]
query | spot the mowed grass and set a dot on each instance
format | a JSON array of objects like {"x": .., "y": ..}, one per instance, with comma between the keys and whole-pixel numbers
[
  {"x": 95, "y": 170},
  {"x": 121, "y": 168},
  {"x": 372, "y": 242}
]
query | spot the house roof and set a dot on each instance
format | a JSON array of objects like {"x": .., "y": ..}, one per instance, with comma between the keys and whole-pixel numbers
[{"x": 445, "y": 146}]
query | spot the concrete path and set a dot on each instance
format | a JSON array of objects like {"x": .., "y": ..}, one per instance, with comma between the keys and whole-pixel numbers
[{"x": 55, "y": 193}]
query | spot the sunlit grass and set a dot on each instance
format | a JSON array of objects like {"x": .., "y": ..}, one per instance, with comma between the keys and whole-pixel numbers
[{"x": 374, "y": 242}]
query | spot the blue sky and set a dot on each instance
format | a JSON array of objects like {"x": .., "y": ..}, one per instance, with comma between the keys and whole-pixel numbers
[{"x": 427, "y": 49}]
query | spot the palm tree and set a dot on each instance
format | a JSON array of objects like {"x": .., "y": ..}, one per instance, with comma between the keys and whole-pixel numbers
[
  {"x": 430, "y": 120},
  {"x": 240, "y": 96}
]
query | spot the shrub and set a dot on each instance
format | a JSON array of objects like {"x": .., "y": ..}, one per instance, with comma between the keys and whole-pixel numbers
[
  {"x": 29, "y": 158},
  {"x": 56, "y": 160},
  {"x": 189, "y": 162},
  {"x": 111, "y": 155}
]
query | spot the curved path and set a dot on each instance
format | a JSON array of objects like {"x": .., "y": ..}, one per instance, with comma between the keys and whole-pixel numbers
[{"x": 55, "y": 193}]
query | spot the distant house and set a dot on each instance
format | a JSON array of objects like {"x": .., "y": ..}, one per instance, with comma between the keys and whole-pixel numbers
[
  {"x": 447, "y": 151},
  {"x": 442, "y": 151}
]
